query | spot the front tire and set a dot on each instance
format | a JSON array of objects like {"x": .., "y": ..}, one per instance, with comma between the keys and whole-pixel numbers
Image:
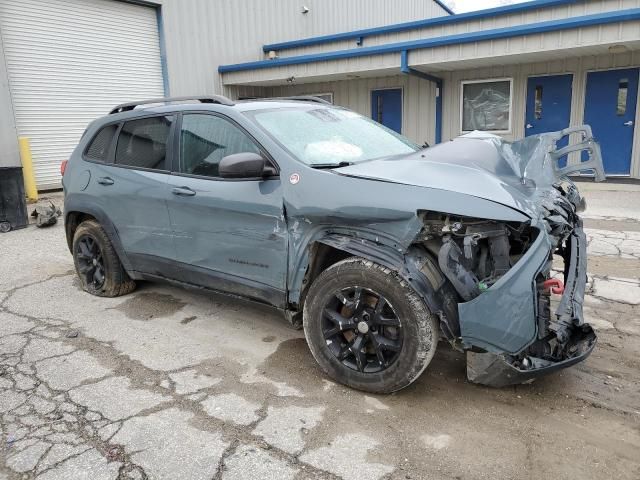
[
  {"x": 367, "y": 328},
  {"x": 97, "y": 263}
]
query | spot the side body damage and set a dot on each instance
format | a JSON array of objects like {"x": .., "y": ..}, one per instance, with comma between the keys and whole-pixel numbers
[{"x": 495, "y": 257}]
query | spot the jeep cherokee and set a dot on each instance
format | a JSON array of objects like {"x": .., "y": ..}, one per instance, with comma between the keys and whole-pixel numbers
[{"x": 377, "y": 247}]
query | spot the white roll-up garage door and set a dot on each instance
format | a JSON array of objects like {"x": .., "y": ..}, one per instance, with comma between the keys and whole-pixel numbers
[{"x": 69, "y": 62}]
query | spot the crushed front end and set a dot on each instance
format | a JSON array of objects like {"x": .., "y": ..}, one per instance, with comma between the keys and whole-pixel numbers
[
  {"x": 562, "y": 338},
  {"x": 519, "y": 313}
]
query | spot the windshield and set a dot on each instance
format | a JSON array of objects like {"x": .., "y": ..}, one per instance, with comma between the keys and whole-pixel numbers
[{"x": 330, "y": 136}]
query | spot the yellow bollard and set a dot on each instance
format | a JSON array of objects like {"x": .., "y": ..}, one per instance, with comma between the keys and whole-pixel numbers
[{"x": 27, "y": 169}]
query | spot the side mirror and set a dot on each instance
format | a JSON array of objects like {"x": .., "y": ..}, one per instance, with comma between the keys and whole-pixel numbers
[{"x": 244, "y": 165}]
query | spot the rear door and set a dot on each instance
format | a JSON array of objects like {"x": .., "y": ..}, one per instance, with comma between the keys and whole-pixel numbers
[
  {"x": 230, "y": 234},
  {"x": 132, "y": 189}
]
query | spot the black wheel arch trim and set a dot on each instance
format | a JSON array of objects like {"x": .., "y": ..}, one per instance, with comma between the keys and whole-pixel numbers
[
  {"x": 85, "y": 205},
  {"x": 405, "y": 264}
]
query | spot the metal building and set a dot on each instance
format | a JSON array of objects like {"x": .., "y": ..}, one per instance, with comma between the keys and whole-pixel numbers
[
  {"x": 411, "y": 64},
  {"x": 66, "y": 61}
]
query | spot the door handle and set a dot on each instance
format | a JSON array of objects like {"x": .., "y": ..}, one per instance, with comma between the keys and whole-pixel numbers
[
  {"x": 105, "y": 181},
  {"x": 629, "y": 123},
  {"x": 183, "y": 191},
  {"x": 528, "y": 126}
]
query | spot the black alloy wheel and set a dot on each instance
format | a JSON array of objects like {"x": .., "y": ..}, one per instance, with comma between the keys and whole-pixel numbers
[
  {"x": 367, "y": 327},
  {"x": 90, "y": 261},
  {"x": 362, "y": 329},
  {"x": 98, "y": 266}
]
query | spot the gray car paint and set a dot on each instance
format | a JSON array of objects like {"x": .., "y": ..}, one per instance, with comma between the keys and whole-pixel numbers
[
  {"x": 236, "y": 227},
  {"x": 377, "y": 203},
  {"x": 495, "y": 320},
  {"x": 136, "y": 204}
]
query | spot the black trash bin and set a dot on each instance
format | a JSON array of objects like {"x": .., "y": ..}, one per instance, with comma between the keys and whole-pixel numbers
[{"x": 13, "y": 202}]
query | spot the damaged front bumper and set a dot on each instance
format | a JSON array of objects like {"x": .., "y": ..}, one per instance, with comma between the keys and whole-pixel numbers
[
  {"x": 496, "y": 371},
  {"x": 572, "y": 339}
]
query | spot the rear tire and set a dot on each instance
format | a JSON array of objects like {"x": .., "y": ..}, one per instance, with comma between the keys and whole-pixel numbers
[
  {"x": 358, "y": 299},
  {"x": 97, "y": 263}
]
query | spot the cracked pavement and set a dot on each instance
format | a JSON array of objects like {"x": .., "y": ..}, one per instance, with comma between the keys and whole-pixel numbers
[{"x": 171, "y": 383}]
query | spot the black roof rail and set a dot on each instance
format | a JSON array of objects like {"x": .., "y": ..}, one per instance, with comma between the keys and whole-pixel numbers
[
  {"x": 219, "y": 99},
  {"x": 300, "y": 98}
]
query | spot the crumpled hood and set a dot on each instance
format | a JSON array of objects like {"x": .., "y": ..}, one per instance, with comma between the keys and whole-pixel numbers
[{"x": 519, "y": 174}]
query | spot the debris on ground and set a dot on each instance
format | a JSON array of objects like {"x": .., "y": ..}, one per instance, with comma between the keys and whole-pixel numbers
[{"x": 46, "y": 215}]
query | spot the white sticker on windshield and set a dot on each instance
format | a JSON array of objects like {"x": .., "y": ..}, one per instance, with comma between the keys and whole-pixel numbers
[
  {"x": 349, "y": 114},
  {"x": 334, "y": 150}
]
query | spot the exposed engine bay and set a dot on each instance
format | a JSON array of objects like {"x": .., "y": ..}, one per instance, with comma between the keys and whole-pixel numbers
[{"x": 474, "y": 254}]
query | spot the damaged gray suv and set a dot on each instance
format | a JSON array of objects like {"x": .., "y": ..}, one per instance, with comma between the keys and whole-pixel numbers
[{"x": 377, "y": 247}]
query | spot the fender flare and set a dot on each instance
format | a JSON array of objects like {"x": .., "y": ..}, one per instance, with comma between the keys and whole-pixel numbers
[
  {"x": 84, "y": 204},
  {"x": 407, "y": 264}
]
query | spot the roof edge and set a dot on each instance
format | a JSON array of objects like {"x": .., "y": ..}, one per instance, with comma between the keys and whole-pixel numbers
[
  {"x": 442, "y": 5},
  {"x": 413, "y": 25},
  {"x": 601, "y": 18}
]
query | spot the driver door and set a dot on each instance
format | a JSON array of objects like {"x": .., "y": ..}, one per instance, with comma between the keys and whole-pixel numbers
[{"x": 229, "y": 234}]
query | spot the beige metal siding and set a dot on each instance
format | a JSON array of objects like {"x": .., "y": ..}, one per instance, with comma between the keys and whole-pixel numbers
[
  {"x": 202, "y": 34},
  {"x": 554, "y": 45},
  {"x": 69, "y": 62},
  {"x": 573, "y": 42},
  {"x": 591, "y": 40},
  {"x": 379, "y": 65},
  {"x": 497, "y": 21}
]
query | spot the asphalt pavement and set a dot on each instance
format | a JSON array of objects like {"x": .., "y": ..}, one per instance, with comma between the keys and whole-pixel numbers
[{"x": 167, "y": 383}]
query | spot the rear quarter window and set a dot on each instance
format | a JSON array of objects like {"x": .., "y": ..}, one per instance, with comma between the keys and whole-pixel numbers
[{"x": 98, "y": 148}]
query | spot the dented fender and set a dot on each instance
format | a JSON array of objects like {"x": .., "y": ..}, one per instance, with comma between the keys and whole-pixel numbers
[
  {"x": 406, "y": 264},
  {"x": 384, "y": 229},
  {"x": 413, "y": 265}
]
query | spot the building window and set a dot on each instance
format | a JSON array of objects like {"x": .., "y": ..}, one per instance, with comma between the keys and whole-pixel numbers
[
  {"x": 486, "y": 105},
  {"x": 623, "y": 87},
  {"x": 538, "y": 103},
  {"x": 327, "y": 97}
]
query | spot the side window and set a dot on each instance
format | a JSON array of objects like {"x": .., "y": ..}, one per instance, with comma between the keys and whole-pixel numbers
[
  {"x": 206, "y": 139},
  {"x": 98, "y": 148},
  {"x": 143, "y": 143}
]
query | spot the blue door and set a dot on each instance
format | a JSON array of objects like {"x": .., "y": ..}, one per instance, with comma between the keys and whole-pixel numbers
[
  {"x": 610, "y": 109},
  {"x": 548, "y": 103},
  {"x": 386, "y": 108}
]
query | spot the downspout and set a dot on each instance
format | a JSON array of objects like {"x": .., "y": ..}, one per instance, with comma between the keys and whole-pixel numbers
[
  {"x": 406, "y": 69},
  {"x": 163, "y": 50}
]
